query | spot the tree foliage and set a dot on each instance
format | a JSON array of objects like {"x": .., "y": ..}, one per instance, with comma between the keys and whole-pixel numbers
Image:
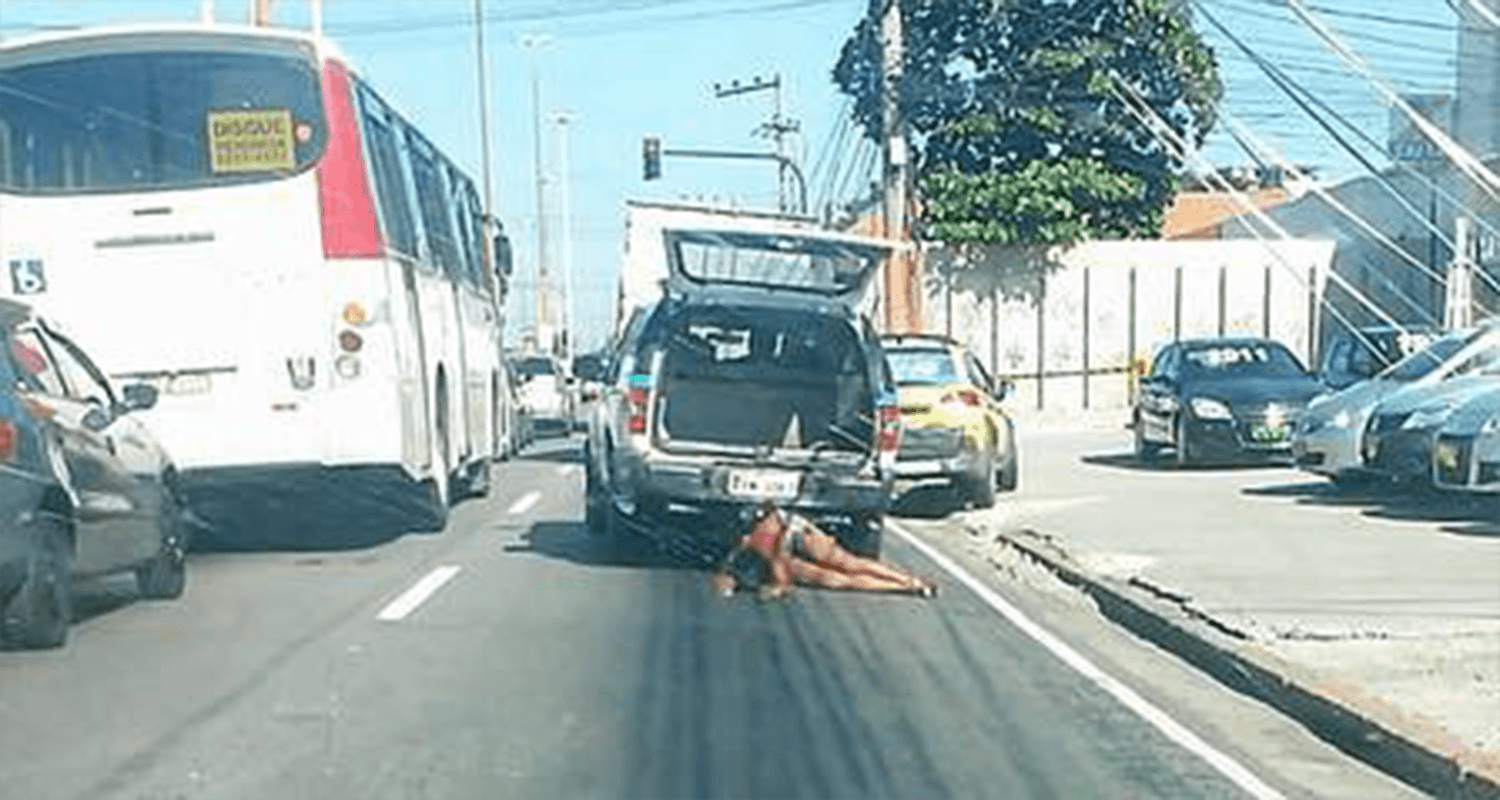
[{"x": 1017, "y": 117}]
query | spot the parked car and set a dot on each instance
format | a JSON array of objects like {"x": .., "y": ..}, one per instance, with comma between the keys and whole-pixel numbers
[
  {"x": 1327, "y": 438},
  {"x": 1352, "y": 356},
  {"x": 954, "y": 432},
  {"x": 545, "y": 394},
  {"x": 85, "y": 490},
  {"x": 1398, "y": 439},
  {"x": 743, "y": 384},
  {"x": 1221, "y": 399},
  {"x": 1466, "y": 452}
]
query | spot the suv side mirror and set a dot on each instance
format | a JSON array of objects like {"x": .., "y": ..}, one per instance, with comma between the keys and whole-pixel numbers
[
  {"x": 138, "y": 396},
  {"x": 1004, "y": 388}
]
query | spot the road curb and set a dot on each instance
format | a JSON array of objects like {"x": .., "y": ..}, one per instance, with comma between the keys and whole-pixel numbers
[{"x": 1413, "y": 750}]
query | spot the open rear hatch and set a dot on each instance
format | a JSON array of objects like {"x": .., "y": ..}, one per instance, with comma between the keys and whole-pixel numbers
[{"x": 826, "y": 263}]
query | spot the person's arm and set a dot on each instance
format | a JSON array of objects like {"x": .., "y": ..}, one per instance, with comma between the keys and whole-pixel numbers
[{"x": 723, "y": 579}]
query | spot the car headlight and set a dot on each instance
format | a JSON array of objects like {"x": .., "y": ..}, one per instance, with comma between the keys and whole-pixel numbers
[{"x": 1208, "y": 408}]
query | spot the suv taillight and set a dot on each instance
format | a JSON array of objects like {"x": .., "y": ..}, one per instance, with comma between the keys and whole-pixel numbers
[
  {"x": 635, "y": 399},
  {"x": 888, "y": 432}
]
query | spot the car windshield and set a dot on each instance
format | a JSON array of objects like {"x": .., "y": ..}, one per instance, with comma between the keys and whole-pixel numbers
[
  {"x": 1429, "y": 358},
  {"x": 805, "y": 263},
  {"x": 1241, "y": 359},
  {"x": 928, "y": 365}
]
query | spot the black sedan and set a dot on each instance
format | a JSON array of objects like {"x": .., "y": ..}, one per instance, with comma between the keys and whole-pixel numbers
[
  {"x": 84, "y": 488},
  {"x": 1221, "y": 399}
]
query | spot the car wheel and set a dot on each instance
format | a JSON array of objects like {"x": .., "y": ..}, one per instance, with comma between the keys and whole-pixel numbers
[
  {"x": 477, "y": 482},
  {"x": 1144, "y": 450},
  {"x": 164, "y": 577},
  {"x": 863, "y": 538},
  {"x": 981, "y": 490},
  {"x": 1183, "y": 447},
  {"x": 598, "y": 511},
  {"x": 39, "y": 613},
  {"x": 1010, "y": 474}
]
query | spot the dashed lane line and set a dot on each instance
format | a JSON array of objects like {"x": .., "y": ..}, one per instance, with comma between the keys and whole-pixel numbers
[
  {"x": 408, "y": 601},
  {"x": 524, "y": 503},
  {"x": 1171, "y": 728}
]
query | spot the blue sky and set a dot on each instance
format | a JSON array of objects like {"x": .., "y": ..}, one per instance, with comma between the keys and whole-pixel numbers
[{"x": 626, "y": 68}]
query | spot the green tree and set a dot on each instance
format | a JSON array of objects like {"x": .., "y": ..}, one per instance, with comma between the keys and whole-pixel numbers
[{"x": 1018, "y": 121}]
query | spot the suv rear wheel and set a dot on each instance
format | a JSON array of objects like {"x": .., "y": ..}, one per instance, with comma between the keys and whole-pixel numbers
[{"x": 863, "y": 538}]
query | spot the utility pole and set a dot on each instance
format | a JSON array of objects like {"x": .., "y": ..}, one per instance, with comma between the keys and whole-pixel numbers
[
  {"x": 562, "y": 118},
  {"x": 531, "y": 43},
  {"x": 484, "y": 112},
  {"x": 896, "y": 286},
  {"x": 260, "y": 13},
  {"x": 777, "y": 127}
]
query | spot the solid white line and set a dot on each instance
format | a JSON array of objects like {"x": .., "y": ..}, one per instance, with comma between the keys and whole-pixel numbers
[
  {"x": 1173, "y": 730},
  {"x": 419, "y": 592},
  {"x": 522, "y": 505}
]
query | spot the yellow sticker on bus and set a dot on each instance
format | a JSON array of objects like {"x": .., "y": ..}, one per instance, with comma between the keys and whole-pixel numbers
[{"x": 250, "y": 140}]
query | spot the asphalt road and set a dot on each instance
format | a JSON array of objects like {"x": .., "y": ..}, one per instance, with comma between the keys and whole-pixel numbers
[{"x": 513, "y": 655}]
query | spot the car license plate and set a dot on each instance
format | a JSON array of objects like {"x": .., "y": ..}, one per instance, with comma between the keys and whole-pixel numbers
[
  {"x": 1268, "y": 434},
  {"x": 1447, "y": 456},
  {"x": 764, "y": 483}
]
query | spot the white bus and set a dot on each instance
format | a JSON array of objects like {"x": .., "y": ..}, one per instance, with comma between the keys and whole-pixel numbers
[{"x": 232, "y": 214}]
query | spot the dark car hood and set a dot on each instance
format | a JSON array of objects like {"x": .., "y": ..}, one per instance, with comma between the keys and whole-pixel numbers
[{"x": 1292, "y": 390}]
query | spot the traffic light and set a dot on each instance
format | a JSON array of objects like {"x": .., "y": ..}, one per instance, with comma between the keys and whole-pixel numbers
[{"x": 651, "y": 157}]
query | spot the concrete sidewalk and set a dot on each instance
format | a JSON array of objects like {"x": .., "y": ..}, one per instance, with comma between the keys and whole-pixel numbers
[{"x": 1373, "y": 619}]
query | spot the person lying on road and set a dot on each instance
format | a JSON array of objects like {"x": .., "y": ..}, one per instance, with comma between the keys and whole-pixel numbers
[{"x": 785, "y": 548}]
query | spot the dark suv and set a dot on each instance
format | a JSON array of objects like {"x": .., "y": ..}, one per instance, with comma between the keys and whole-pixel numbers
[{"x": 755, "y": 376}]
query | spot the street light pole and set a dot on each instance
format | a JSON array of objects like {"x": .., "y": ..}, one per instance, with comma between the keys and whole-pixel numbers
[
  {"x": 563, "y": 118},
  {"x": 531, "y": 43}
]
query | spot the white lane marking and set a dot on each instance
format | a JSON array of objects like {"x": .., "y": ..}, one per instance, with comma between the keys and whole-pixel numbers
[
  {"x": 1173, "y": 730},
  {"x": 524, "y": 504},
  {"x": 419, "y": 592}
]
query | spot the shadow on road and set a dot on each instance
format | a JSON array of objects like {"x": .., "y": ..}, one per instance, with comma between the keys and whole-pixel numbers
[
  {"x": 571, "y": 541},
  {"x": 554, "y": 451},
  {"x": 1129, "y": 460},
  {"x": 1392, "y": 502},
  {"x": 1486, "y": 529},
  {"x": 934, "y": 503}
]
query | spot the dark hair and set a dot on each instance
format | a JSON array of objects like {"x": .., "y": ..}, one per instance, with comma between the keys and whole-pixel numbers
[{"x": 748, "y": 568}]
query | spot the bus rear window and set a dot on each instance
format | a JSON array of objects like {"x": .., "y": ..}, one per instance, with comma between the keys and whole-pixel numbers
[{"x": 135, "y": 117}]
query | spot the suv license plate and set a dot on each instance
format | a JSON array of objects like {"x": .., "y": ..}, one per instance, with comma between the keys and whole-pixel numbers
[{"x": 762, "y": 483}]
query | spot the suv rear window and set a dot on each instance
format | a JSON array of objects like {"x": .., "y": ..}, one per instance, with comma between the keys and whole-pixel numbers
[
  {"x": 759, "y": 376},
  {"x": 782, "y": 261}
]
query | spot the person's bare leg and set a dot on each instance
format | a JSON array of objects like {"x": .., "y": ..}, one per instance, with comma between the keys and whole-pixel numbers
[
  {"x": 826, "y": 551},
  {"x": 809, "y": 574}
]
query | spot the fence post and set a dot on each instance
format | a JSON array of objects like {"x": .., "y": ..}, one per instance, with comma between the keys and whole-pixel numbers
[
  {"x": 1086, "y": 285},
  {"x": 1041, "y": 338}
]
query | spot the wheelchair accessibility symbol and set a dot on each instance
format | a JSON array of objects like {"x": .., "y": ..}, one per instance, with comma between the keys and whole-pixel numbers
[{"x": 27, "y": 276}]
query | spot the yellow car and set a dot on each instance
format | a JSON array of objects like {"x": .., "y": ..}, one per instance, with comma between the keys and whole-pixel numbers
[{"x": 954, "y": 432}]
